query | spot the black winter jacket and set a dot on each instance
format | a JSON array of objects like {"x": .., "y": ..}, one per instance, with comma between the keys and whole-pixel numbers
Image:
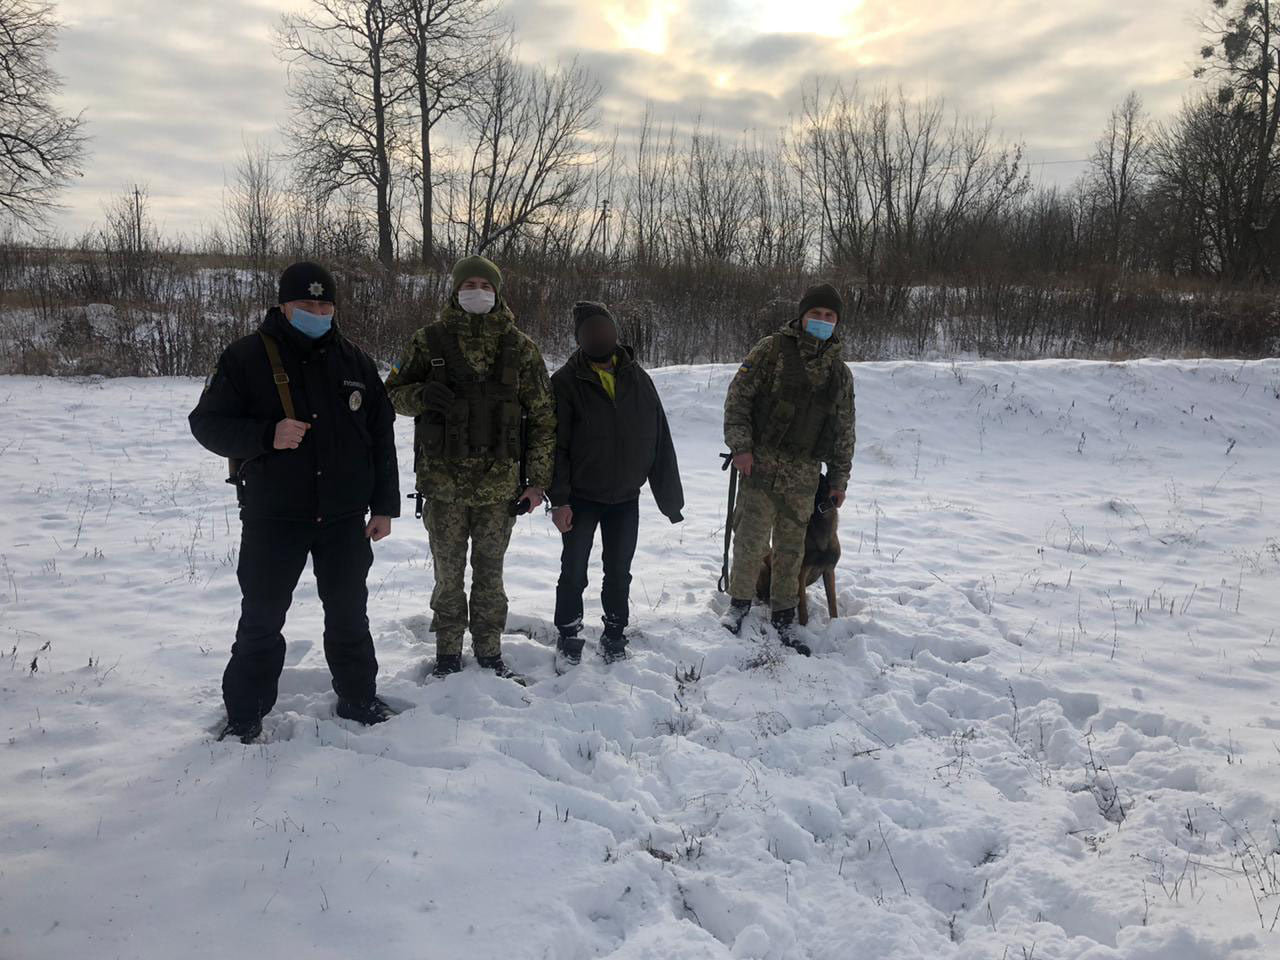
[
  {"x": 346, "y": 463},
  {"x": 607, "y": 449}
]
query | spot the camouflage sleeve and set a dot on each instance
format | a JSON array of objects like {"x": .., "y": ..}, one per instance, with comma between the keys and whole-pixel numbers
[
  {"x": 741, "y": 396},
  {"x": 536, "y": 398},
  {"x": 404, "y": 383},
  {"x": 841, "y": 466}
]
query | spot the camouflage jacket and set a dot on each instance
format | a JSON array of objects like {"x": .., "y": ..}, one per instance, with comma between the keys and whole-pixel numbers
[
  {"x": 480, "y": 482},
  {"x": 757, "y": 373}
]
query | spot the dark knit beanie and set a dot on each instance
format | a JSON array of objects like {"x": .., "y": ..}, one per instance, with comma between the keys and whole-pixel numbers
[
  {"x": 476, "y": 266},
  {"x": 584, "y": 310},
  {"x": 822, "y": 295},
  {"x": 307, "y": 281}
]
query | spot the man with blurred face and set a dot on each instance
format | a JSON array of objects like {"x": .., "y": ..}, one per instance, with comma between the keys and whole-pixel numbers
[
  {"x": 789, "y": 410},
  {"x": 478, "y": 391},
  {"x": 302, "y": 415},
  {"x": 611, "y": 438}
]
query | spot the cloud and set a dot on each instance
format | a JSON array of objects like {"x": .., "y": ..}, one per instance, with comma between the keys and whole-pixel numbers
[{"x": 171, "y": 90}]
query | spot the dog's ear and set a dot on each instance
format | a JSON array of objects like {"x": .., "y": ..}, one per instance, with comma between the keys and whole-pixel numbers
[{"x": 824, "y": 489}]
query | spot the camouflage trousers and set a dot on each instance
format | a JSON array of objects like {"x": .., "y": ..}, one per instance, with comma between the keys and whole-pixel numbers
[
  {"x": 768, "y": 518},
  {"x": 450, "y": 526}
]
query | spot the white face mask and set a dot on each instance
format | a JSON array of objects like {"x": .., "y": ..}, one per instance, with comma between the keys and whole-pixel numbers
[{"x": 477, "y": 300}]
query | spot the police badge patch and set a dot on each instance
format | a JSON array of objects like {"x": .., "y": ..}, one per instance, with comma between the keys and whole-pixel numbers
[{"x": 355, "y": 400}]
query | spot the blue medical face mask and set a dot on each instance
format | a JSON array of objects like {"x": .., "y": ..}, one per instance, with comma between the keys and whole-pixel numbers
[
  {"x": 820, "y": 328},
  {"x": 312, "y": 325}
]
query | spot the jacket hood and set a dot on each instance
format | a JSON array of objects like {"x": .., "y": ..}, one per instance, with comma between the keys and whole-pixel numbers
[{"x": 579, "y": 363}]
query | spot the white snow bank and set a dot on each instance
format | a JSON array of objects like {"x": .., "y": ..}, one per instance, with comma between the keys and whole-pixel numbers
[{"x": 1045, "y": 723}]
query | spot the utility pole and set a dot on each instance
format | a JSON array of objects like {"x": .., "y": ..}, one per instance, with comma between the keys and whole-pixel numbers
[{"x": 604, "y": 216}]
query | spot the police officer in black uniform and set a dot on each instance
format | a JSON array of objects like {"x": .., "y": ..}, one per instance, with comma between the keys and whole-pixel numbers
[{"x": 303, "y": 417}]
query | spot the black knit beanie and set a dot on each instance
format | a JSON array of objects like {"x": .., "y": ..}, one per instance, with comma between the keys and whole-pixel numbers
[
  {"x": 584, "y": 310},
  {"x": 822, "y": 295},
  {"x": 307, "y": 281}
]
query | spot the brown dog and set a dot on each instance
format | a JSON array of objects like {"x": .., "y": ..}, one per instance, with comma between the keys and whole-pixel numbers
[{"x": 821, "y": 554}]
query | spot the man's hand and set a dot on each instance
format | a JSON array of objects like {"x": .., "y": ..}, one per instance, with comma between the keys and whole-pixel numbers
[
  {"x": 534, "y": 496},
  {"x": 562, "y": 517},
  {"x": 437, "y": 398},
  {"x": 744, "y": 463},
  {"x": 838, "y": 497},
  {"x": 378, "y": 528},
  {"x": 289, "y": 434}
]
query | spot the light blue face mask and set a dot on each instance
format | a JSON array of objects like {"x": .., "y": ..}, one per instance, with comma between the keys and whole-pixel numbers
[
  {"x": 820, "y": 329},
  {"x": 312, "y": 325}
]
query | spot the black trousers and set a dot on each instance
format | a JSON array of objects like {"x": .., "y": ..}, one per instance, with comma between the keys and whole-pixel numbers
[
  {"x": 619, "y": 526},
  {"x": 272, "y": 555}
]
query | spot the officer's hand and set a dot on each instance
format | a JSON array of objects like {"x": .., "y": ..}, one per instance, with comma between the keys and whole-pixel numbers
[
  {"x": 744, "y": 463},
  {"x": 838, "y": 497},
  {"x": 534, "y": 496},
  {"x": 378, "y": 528},
  {"x": 289, "y": 434},
  {"x": 562, "y": 517},
  {"x": 437, "y": 397}
]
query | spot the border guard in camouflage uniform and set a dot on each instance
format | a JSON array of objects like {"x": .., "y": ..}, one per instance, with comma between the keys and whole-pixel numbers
[
  {"x": 789, "y": 410},
  {"x": 480, "y": 396}
]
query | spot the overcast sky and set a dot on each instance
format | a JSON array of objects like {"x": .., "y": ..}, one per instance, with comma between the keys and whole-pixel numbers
[{"x": 172, "y": 89}]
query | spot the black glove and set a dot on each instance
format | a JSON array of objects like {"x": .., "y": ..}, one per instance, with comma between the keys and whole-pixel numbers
[{"x": 436, "y": 397}]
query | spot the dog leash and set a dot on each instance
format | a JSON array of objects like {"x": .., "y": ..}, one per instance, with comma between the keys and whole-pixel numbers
[{"x": 728, "y": 524}]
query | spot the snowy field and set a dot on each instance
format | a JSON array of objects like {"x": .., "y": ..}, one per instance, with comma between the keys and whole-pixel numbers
[{"x": 1046, "y": 723}]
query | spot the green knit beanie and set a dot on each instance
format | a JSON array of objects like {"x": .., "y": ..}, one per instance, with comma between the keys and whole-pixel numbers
[{"x": 476, "y": 266}]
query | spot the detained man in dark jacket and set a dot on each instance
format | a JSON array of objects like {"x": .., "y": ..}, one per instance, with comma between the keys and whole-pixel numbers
[
  {"x": 302, "y": 415},
  {"x": 611, "y": 438}
]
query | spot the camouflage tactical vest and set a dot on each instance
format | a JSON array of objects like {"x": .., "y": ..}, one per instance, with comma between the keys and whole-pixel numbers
[
  {"x": 795, "y": 417},
  {"x": 484, "y": 421}
]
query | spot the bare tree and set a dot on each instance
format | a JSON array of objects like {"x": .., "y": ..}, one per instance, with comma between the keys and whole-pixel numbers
[
  {"x": 445, "y": 53},
  {"x": 1243, "y": 55},
  {"x": 349, "y": 100},
  {"x": 893, "y": 187},
  {"x": 710, "y": 208},
  {"x": 651, "y": 185},
  {"x": 1119, "y": 167},
  {"x": 40, "y": 148},
  {"x": 778, "y": 231},
  {"x": 529, "y": 157},
  {"x": 1201, "y": 165},
  {"x": 253, "y": 204}
]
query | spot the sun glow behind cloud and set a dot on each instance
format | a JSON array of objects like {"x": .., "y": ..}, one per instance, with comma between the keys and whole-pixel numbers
[
  {"x": 642, "y": 25},
  {"x": 827, "y": 18}
]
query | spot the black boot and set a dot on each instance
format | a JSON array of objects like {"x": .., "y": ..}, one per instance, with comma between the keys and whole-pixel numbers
[
  {"x": 495, "y": 664},
  {"x": 568, "y": 648},
  {"x": 246, "y": 731},
  {"x": 447, "y": 663},
  {"x": 367, "y": 712},
  {"x": 784, "y": 621},
  {"x": 613, "y": 643},
  {"x": 733, "y": 617}
]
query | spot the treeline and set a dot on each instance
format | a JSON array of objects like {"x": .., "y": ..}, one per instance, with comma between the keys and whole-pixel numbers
[{"x": 419, "y": 136}]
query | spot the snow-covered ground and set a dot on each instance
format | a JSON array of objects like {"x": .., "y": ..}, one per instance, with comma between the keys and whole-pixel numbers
[{"x": 1045, "y": 724}]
